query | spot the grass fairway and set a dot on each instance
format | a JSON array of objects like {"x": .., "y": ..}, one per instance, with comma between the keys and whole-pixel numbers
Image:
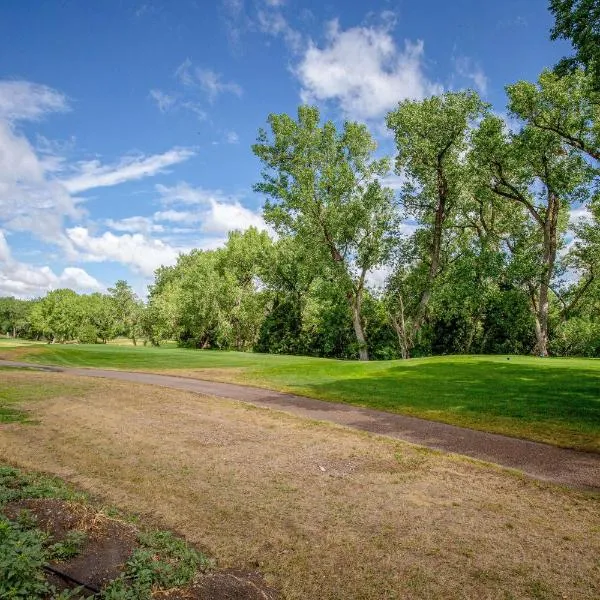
[
  {"x": 322, "y": 511},
  {"x": 554, "y": 400}
]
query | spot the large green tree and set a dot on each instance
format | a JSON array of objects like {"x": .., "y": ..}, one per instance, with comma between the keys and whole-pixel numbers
[
  {"x": 541, "y": 178},
  {"x": 128, "y": 310},
  {"x": 431, "y": 137},
  {"x": 323, "y": 188}
]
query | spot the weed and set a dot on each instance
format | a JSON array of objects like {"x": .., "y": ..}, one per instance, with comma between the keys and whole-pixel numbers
[
  {"x": 16, "y": 485},
  {"x": 22, "y": 555},
  {"x": 69, "y": 547}
]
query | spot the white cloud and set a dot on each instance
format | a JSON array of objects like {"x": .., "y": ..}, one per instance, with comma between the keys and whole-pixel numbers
[
  {"x": 207, "y": 79},
  {"x": 23, "y": 280},
  {"x": 218, "y": 213},
  {"x": 363, "y": 70},
  {"x": 580, "y": 214},
  {"x": 465, "y": 67},
  {"x": 272, "y": 22},
  {"x": 30, "y": 200},
  {"x": 185, "y": 194},
  {"x": 29, "y": 101},
  {"x": 92, "y": 174},
  {"x": 232, "y": 137},
  {"x": 140, "y": 252},
  {"x": 134, "y": 225},
  {"x": 223, "y": 217},
  {"x": 235, "y": 18},
  {"x": 177, "y": 216},
  {"x": 394, "y": 182},
  {"x": 163, "y": 100}
]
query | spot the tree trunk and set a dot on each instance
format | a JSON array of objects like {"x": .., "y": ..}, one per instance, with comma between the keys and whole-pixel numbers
[
  {"x": 401, "y": 332},
  {"x": 436, "y": 246},
  {"x": 355, "y": 303},
  {"x": 548, "y": 260}
]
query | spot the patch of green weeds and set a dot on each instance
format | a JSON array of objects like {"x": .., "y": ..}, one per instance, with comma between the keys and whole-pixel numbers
[
  {"x": 69, "y": 547},
  {"x": 17, "y": 485},
  {"x": 163, "y": 561}
]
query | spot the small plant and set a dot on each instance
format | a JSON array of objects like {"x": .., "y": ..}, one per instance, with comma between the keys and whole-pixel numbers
[
  {"x": 26, "y": 519},
  {"x": 163, "y": 561},
  {"x": 69, "y": 547},
  {"x": 16, "y": 485},
  {"x": 22, "y": 556}
]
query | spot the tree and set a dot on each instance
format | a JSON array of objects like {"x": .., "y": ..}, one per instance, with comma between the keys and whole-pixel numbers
[
  {"x": 14, "y": 315},
  {"x": 323, "y": 188},
  {"x": 57, "y": 316},
  {"x": 99, "y": 319},
  {"x": 431, "y": 137},
  {"x": 566, "y": 106},
  {"x": 541, "y": 177},
  {"x": 128, "y": 310},
  {"x": 579, "y": 22}
]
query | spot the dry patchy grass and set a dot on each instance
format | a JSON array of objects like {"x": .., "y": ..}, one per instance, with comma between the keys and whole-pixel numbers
[{"x": 323, "y": 511}]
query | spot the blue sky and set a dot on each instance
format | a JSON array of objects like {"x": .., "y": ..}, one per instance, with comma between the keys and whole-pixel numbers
[{"x": 126, "y": 126}]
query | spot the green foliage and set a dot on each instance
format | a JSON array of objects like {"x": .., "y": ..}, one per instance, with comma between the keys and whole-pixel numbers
[
  {"x": 324, "y": 190},
  {"x": 18, "y": 485},
  {"x": 162, "y": 562},
  {"x": 486, "y": 211},
  {"x": 68, "y": 547},
  {"x": 22, "y": 556},
  {"x": 579, "y": 22},
  {"x": 577, "y": 337}
]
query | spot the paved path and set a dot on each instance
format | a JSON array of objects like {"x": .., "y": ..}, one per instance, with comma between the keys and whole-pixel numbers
[{"x": 541, "y": 461}]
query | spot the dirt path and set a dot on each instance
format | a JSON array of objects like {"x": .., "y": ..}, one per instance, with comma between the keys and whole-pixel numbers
[{"x": 541, "y": 461}]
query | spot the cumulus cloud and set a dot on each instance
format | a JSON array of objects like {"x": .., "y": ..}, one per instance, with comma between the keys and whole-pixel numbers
[
  {"x": 30, "y": 199},
  {"x": 217, "y": 213},
  {"x": 39, "y": 194},
  {"x": 580, "y": 214},
  {"x": 364, "y": 71},
  {"x": 140, "y": 252},
  {"x": 23, "y": 280}
]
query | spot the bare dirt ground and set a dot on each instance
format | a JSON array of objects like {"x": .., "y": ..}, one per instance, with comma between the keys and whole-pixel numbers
[
  {"x": 542, "y": 461},
  {"x": 321, "y": 510}
]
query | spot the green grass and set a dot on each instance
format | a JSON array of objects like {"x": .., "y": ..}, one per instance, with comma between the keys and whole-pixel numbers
[{"x": 555, "y": 400}]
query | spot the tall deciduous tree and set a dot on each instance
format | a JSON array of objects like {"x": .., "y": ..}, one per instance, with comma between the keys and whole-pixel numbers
[
  {"x": 431, "y": 137},
  {"x": 324, "y": 189},
  {"x": 538, "y": 173},
  {"x": 128, "y": 310},
  {"x": 579, "y": 22}
]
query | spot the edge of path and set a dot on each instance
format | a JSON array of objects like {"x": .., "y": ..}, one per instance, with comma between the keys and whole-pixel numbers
[{"x": 540, "y": 461}]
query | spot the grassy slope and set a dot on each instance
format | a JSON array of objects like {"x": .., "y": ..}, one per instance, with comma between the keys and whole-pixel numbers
[{"x": 551, "y": 400}]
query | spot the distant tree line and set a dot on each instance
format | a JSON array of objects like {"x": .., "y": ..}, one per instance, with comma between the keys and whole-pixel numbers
[{"x": 476, "y": 248}]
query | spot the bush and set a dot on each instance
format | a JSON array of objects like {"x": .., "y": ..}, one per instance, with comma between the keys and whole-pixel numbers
[{"x": 576, "y": 337}]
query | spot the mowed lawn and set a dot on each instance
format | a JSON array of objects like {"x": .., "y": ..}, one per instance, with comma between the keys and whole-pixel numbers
[
  {"x": 554, "y": 400},
  {"x": 322, "y": 511}
]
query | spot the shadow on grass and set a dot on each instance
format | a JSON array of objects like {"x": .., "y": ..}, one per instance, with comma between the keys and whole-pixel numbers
[{"x": 477, "y": 392}]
